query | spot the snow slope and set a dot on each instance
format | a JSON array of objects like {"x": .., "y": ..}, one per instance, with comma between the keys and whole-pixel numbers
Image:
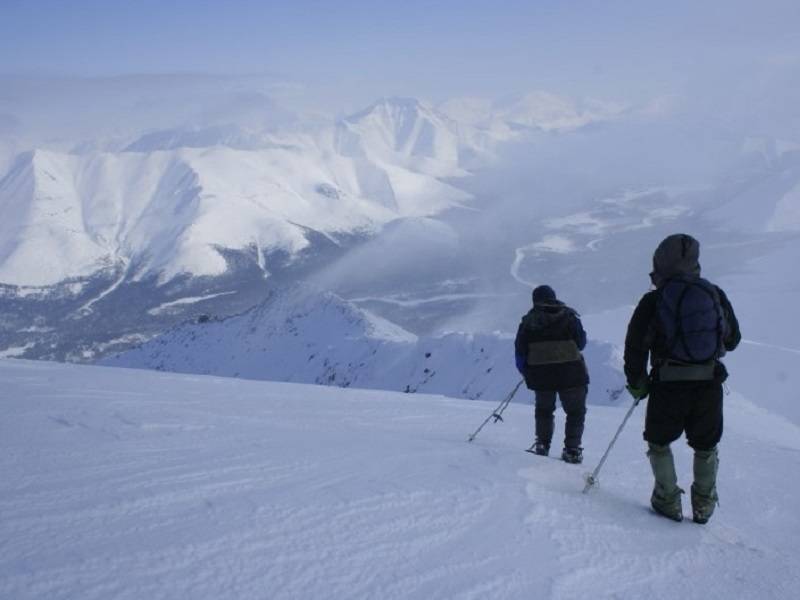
[
  {"x": 302, "y": 335},
  {"x": 129, "y": 484}
]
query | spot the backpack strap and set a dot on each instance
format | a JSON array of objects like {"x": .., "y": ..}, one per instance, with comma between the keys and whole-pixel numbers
[{"x": 679, "y": 336}]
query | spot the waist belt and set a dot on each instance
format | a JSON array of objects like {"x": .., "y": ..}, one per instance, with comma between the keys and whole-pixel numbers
[
  {"x": 679, "y": 371},
  {"x": 546, "y": 353}
]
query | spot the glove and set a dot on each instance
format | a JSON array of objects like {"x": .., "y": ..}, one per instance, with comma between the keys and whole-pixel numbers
[
  {"x": 640, "y": 391},
  {"x": 520, "y": 360}
]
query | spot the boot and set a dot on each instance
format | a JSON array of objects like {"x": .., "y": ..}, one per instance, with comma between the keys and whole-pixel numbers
[
  {"x": 704, "y": 488},
  {"x": 572, "y": 455},
  {"x": 541, "y": 448},
  {"x": 666, "y": 498}
]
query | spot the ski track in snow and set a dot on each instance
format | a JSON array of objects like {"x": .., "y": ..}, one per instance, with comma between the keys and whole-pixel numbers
[{"x": 129, "y": 484}]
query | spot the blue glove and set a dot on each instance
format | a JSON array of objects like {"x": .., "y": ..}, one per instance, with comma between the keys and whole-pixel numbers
[{"x": 520, "y": 360}]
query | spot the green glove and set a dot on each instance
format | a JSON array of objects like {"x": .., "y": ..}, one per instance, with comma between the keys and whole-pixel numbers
[{"x": 640, "y": 391}]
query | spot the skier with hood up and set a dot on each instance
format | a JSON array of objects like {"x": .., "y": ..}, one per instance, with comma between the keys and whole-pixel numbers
[
  {"x": 684, "y": 325},
  {"x": 548, "y": 355}
]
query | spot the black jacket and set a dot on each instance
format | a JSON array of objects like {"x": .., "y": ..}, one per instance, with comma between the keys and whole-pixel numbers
[
  {"x": 644, "y": 338},
  {"x": 551, "y": 323}
]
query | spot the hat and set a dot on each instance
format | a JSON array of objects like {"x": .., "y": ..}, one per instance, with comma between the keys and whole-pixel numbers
[{"x": 544, "y": 294}]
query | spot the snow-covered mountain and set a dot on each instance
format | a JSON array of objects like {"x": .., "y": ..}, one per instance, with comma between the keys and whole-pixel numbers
[
  {"x": 169, "y": 212},
  {"x": 305, "y": 336},
  {"x": 166, "y": 202},
  {"x": 402, "y": 131},
  {"x": 111, "y": 244},
  {"x": 177, "y": 216},
  {"x": 211, "y": 216}
]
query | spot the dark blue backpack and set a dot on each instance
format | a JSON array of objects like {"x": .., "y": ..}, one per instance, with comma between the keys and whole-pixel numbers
[{"x": 691, "y": 319}]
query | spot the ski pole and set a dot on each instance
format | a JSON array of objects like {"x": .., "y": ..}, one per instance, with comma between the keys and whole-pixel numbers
[
  {"x": 591, "y": 478},
  {"x": 497, "y": 413}
]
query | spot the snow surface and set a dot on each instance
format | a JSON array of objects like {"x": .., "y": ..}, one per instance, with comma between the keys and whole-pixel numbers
[{"x": 130, "y": 484}]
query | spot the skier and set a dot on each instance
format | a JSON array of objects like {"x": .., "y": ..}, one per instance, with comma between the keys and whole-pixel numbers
[
  {"x": 685, "y": 325},
  {"x": 548, "y": 355}
]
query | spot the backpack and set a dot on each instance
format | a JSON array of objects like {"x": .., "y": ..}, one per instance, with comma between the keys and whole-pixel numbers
[{"x": 691, "y": 319}]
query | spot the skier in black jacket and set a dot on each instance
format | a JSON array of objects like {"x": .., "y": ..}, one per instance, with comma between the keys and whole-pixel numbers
[
  {"x": 684, "y": 343},
  {"x": 548, "y": 354}
]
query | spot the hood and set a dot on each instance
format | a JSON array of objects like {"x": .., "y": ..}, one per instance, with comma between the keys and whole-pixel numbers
[
  {"x": 543, "y": 315},
  {"x": 677, "y": 254}
]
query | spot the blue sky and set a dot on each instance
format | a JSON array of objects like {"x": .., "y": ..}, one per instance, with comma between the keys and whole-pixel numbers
[{"x": 429, "y": 48}]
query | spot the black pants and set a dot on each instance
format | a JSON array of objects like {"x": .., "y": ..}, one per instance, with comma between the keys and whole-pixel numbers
[
  {"x": 573, "y": 401},
  {"x": 695, "y": 408}
]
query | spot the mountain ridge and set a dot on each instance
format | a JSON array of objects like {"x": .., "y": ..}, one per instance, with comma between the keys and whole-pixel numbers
[{"x": 308, "y": 336}]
